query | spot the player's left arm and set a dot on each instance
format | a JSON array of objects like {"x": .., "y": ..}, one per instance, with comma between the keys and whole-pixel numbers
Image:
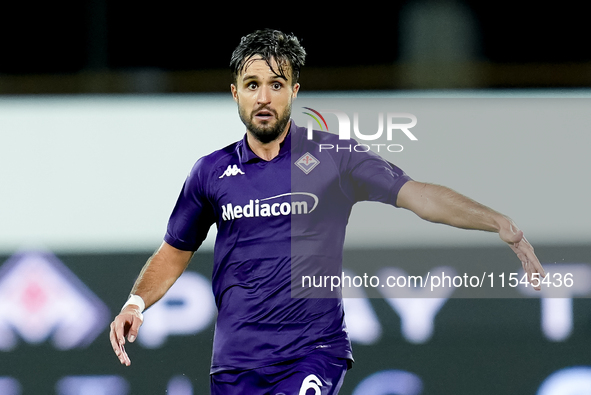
[{"x": 440, "y": 204}]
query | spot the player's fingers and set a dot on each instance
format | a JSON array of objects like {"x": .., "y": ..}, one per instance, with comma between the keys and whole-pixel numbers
[
  {"x": 534, "y": 259},
  {"x": 120, "y": 325},
  {"x": 529, "y": 262},
  {"x": 116, "y": 334},
  {"x": 520, "y": 254},
  {"x": 126, "y": 361},
  {"x": 529, "y": 273},
  {"x": 537, "y": 267},
  {"x": 533, "y": 280},
  {"x": 117, "y": 346},
  {"x": 135, "y": 326},
  {"x": 113, "y": 338},
  {"x": 534, "y": 271}
]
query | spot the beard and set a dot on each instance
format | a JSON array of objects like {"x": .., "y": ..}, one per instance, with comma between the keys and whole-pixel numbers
[{"x": 269, "y": 130}]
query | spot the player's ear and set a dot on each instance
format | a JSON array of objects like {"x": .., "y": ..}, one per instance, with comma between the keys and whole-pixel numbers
[
  {"x": 234, "y": 92},
  {"x": 296, "y": 89}
]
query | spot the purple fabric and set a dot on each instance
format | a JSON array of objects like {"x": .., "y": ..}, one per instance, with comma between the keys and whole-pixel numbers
[
  {"x": 274, "y": 217},
  {"x": 313, "y": 372}
]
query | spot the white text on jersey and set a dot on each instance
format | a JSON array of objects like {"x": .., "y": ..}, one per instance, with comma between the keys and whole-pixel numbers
[{"x": 255, "y": 208}]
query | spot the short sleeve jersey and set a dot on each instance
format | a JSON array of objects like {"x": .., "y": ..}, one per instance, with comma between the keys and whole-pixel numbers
[{"x": 270, "y": 216}]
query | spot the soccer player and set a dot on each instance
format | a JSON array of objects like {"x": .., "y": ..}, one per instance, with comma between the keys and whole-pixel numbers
[{"x": 281, "y": 206}]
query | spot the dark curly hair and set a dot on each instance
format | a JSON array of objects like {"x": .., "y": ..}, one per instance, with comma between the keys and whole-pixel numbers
[{"x": 269, "y": 44}]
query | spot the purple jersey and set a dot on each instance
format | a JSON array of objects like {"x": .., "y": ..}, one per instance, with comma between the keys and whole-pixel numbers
[{"x": 273, "y": 217}]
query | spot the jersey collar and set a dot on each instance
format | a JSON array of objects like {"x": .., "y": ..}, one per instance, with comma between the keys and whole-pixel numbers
[{"x": 246, "y": 154}]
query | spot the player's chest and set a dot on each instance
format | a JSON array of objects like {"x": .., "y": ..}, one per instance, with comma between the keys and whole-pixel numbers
[{"x": 273, "y": 189}]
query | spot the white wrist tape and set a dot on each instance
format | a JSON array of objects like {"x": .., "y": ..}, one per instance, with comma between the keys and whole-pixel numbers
[{"x": 136, "y": 300}]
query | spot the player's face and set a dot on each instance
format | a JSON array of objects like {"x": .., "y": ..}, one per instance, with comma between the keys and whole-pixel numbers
[{"x": 264, "y": 99}]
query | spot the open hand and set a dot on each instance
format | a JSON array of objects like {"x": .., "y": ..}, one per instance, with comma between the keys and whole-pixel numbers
[
  {"x": 525, "y": 252},
  {"x": 126, "y": 324}
]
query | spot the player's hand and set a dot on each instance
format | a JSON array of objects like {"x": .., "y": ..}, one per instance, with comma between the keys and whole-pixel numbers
[
  {"x": 513, "y": 236},
  {"x": 126, "y": 324}
]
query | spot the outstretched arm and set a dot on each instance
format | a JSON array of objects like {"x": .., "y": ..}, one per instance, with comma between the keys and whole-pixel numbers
[
  {"x": 156, "y": 277},
  {"x": 440, "y": 204}
]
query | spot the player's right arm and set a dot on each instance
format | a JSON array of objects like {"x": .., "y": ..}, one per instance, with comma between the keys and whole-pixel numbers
[{"x": 157, "y": 276}]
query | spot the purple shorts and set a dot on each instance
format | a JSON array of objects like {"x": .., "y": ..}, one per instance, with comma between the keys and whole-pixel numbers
[{"x": 315, "y": 374}]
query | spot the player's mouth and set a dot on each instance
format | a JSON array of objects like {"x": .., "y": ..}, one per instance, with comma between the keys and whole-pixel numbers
[{"x": 264, "y": 115}]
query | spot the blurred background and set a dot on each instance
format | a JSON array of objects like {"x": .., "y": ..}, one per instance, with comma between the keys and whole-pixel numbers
[
  {"x": 106, "y": 105},
  {"x": 102, "y": 46}
]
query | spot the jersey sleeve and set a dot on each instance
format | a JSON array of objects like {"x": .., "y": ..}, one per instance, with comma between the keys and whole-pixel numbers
[
  {"x": 375, "y": 179},
  {"x": 192, "y": 215}
]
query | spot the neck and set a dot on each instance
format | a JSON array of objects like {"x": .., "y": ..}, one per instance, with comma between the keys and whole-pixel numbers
[{"x": 266, "y": 151}]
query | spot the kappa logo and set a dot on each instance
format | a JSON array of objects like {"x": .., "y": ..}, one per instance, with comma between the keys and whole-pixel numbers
[
  {"x": 232, "y": 170},
  {"x": 307, "y": 163}
]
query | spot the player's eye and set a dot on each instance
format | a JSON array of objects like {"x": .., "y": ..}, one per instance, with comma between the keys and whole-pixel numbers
[
  {"x": 277, "y": 85},
  {"x": 252, "y": 85}
]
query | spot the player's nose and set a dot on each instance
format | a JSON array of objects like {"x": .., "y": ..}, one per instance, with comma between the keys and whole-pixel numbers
[{"x": 264, "y": 95}]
